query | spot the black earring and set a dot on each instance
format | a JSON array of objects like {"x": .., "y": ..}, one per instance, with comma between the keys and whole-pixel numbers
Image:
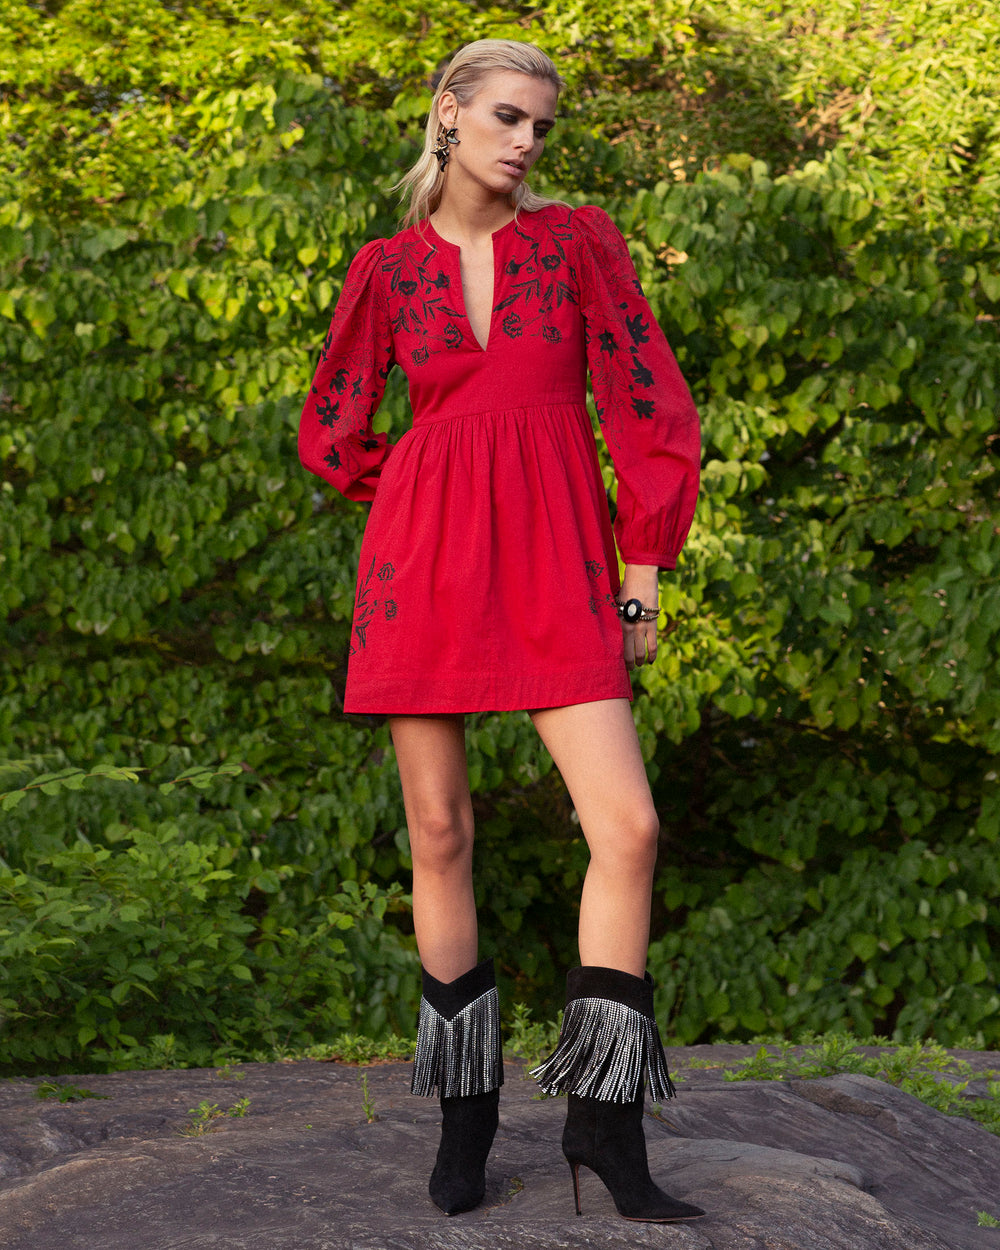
[{"x": 445, "y": 139}]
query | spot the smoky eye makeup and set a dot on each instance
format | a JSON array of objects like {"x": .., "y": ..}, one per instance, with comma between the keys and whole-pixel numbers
[{"x": 510, "y": 115}]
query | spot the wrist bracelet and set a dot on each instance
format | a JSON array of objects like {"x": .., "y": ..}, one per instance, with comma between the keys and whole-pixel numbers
[{"x": 633, "y": 611}]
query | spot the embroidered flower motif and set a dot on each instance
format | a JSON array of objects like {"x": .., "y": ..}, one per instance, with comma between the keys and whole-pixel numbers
[
  {"x": 608, "y": 343},
  {"x": 441, "y": 281},
  {"x": 408, "y": 287},
  {"x": 595, "y": 568},
  {"x": 512, "y": 267},
  {"x": 387, "y": 572},
  {"x": 638, "y": 328},
  {"x": 512, "y": 325},
  {"x": 551, "y": 335},
  {"x": 390, "y": 609},
  {"x": 364, "y": 610},
  {"x": 551, "y": 262},
  {"x": 643, "y": 407},
  {"x": 452, "y": 335},
  {"x": 327, "y": 411},
  {"x": 641, "y": 374},
  {"x": 420, "y": 355}
]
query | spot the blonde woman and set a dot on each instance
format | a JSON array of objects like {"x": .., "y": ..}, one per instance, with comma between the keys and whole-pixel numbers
[{"x": 489, "y": 580}]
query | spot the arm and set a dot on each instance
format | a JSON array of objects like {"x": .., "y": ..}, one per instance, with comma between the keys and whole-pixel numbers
[
  {"x": 336, "y": 440},
  {"x": 647, "y": 416}
]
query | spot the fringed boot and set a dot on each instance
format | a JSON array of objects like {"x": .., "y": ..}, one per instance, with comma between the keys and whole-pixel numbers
[
  {"x": 458, "y": 1054},
  {"x": 608, "y": 1048}
]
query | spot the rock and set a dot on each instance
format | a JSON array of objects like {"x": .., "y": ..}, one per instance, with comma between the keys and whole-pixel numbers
[{"x": 839, "y": 1163}]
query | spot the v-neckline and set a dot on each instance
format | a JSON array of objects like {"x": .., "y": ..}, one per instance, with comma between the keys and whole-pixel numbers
[{"x": 457, "y": 247}]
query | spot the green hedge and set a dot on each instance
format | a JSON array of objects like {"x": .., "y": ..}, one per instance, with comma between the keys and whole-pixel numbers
[{"x": 177, "y": 210}]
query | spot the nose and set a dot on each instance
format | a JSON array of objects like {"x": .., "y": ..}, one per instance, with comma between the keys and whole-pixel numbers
[{"x": 524, "y": 140}]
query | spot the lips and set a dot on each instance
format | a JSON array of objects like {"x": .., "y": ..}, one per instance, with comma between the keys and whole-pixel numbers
[{"x": 515, "y": 167}]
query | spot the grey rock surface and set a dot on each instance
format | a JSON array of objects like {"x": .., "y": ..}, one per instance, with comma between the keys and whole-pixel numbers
[{"x": 840, "y": 1163}]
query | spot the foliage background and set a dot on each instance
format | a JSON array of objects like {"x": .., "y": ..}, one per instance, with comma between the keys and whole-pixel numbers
[{"x": 809, "y": 193}]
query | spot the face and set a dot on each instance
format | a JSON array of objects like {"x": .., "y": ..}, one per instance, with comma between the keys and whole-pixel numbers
[{"x": 501, "y": 131}]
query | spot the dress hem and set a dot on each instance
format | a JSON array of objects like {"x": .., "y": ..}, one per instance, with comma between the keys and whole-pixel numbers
[{"x": 457, "y": 695}]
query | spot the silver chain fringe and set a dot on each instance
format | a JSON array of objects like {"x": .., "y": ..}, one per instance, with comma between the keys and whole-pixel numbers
[
  {"x": 460, "y": 1056},
  {"x": 606, "y": 1050}
]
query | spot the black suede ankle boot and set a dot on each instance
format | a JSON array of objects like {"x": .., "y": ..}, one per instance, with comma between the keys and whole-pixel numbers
[
  {"x": 468, "y": 1126},
  {"x": 458, "y": 1054},
  {"x": 608, "y": 1047}
]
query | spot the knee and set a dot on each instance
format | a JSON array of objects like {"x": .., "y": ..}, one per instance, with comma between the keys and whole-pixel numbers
[
  {"x": 441, "y": 840},
  {"x": 636, "y": 840}
]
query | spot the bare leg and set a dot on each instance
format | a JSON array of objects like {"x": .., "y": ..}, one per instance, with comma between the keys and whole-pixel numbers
[
  {"x": 430, "y": 752},
  {"x": 595, "y": 748}
]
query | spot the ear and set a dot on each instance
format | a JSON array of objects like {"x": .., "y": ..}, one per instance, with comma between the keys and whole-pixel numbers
[{"x": 448, "y": 110}]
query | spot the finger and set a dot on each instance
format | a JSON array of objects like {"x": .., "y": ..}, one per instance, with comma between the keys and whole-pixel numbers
[
  {"x": 651, "y": 642},
  {"x": 631, "y": 660}
]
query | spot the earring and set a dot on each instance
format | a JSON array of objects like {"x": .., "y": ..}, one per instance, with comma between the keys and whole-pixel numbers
[{"x": 444, "y": 139}]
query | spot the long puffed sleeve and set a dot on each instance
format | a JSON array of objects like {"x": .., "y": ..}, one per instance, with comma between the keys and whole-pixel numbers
[
  {"x": 649, "y": 420},
  {"x": 335, "y": 434}
]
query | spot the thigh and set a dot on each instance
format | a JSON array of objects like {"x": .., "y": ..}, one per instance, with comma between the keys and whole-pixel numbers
[
  {"x": 433, "y": 771},
  {"x": 596, "y": 749}
]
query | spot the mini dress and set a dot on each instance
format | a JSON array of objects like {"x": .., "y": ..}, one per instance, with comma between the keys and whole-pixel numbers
[{"x": 488, "y": 568}]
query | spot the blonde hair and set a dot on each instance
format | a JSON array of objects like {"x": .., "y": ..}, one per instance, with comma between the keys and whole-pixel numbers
[{"x": 424, "y": 183}]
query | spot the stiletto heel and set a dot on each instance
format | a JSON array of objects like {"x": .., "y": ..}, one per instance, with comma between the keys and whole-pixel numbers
[
  {"x": 608, "y": 1046},
  {"x": 574, "y": 1170}
]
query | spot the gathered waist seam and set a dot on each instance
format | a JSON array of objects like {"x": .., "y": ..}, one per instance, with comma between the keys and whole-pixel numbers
[{"x": 578, "y": 404}]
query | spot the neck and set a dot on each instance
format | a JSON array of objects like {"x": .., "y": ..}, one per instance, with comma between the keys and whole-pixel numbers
[{"x": 464, "y": 215}]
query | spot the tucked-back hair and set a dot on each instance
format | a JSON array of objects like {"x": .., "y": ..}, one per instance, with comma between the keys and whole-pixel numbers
[{"x": 423, "y": 185}]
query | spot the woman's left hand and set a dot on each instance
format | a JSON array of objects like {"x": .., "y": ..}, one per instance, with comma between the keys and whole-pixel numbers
[{"x": 641, "y": 582}]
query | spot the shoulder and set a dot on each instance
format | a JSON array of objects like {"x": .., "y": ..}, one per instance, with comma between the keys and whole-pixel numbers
[
  {"x": 595, "y": 230},
  {"x": 368, "y": 256},
  {"x": 363, "y": 281}
]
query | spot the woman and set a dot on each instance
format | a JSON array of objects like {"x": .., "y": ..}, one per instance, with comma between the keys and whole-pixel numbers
[{"x": 489, "y": 581}]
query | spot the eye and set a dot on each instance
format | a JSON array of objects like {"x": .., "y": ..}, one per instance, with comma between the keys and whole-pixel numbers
[{"x": 508, "y": 118}]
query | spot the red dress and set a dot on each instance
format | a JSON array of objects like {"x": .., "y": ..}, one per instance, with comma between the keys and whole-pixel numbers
[{"x": 488, "y": 568}]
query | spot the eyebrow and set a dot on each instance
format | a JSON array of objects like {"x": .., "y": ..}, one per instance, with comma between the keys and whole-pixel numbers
[{"x": 512, "y": 108}]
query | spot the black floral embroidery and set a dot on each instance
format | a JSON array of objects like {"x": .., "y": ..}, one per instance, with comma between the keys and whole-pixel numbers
[
  {"x": 327, "y": 411},
  {"x": 607, "y": 341},
  {"x": 594, "y": 568},
  {"x": 414, "y": 274},
  {"x": 512, "y": 326},
  {"x": 642, "y": 375},
  {"x": 364, "y": 610},
  {"x": 643, "y": 408},
  {"x": 366, "y": 604},
  {"x": 638, "y": 328},
  {"x": 546, "y": 280},
  {"x": 352, "y": 370}
]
